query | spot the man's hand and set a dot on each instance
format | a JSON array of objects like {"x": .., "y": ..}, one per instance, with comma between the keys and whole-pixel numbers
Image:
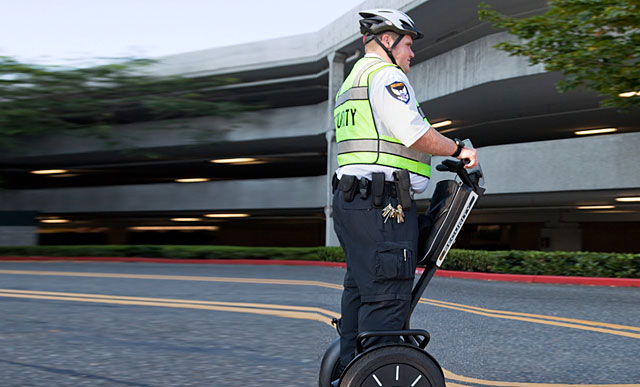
[
  {"x": 436, "y": 144},
  {"x": 469, "y": 154}
]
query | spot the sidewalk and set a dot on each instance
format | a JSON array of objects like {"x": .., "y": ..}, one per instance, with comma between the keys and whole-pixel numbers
[{"x": 546, "y": 279}]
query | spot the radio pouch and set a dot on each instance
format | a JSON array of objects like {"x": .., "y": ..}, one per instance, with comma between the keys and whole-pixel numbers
[
  {"x": 403, "y": 187},
  {"x": 363, "y": 185},
  {"x": 377, "y": 189}
]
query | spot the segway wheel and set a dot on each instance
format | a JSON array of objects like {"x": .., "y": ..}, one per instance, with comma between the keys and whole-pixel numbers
[
  {"x": 330, "y": 365},
  {"x": 393, "y": 366}
]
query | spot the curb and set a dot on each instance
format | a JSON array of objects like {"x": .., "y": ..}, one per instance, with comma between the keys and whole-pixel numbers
[{"x": 543, "y": 279}]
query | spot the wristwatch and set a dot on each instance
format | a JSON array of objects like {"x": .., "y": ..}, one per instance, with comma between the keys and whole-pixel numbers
[{"x": 460, "y": 145}]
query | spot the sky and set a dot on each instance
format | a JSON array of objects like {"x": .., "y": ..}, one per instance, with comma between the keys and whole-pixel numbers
[{"x": 76, "y": 32}]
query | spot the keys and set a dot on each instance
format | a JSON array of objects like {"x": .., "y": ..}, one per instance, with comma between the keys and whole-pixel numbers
[
  {"x": 390, "y": 212},
  {"x": 399, "y": 214}
]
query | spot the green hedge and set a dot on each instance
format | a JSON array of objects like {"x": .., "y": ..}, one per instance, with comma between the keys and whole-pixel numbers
[
  {"x": 514, "y": 262},
  {"x": 331, "y": 254},
  {"x": 581, "y": 264}
]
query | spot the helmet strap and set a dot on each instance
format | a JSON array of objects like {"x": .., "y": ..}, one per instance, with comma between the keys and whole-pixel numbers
[{"x": 388, "y": 50}]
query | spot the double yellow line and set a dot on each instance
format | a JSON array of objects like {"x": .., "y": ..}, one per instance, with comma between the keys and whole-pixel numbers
[
  {"x": 613, "y": 329},
  {"x": 176, "y": 278},
  {"x": 601, "y": 327},
  {"x": 297, "y": 312},
  {"x": 464, "y": 379}
]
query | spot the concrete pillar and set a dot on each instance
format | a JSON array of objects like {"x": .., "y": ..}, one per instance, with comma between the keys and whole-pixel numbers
[
  {"x": 18, "y": 228},
  {"x": 336, "y": 77}
]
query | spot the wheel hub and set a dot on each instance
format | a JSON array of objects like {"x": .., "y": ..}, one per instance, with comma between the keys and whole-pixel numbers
[{"x": 396, "y": 375}]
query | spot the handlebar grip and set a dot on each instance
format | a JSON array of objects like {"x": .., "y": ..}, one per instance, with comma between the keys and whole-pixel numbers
[
  {"x": 449, "y": 165},
  {"x": 457, "y": 167}
]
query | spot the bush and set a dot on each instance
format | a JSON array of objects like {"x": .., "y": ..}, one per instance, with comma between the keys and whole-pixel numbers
[
  {"x": 513, "y": 262},
  {"x": 584, "y": 264}
]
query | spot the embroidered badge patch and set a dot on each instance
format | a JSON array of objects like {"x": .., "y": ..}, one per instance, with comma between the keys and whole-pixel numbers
[{"x": 399, "y": 91}]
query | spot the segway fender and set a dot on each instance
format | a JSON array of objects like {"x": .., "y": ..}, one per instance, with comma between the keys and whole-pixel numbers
[{"x": 330, "y": 365}]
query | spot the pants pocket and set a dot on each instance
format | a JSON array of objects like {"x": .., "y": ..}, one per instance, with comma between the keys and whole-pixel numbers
[{"x": 395, "y": 260}]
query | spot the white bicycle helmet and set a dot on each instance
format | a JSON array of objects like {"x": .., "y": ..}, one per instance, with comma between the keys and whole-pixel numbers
[
  {"x": 379, "y": 20},
  {"x": 376, "y": 21}
]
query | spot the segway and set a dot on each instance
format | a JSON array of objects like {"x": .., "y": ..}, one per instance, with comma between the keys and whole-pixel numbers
[{"x": 406, "y": 363}]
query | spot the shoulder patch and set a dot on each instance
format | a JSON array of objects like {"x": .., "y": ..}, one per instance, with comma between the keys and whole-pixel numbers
[{"x": 399, "y": 91}]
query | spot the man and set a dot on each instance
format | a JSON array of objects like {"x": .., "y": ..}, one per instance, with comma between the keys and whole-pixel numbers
[{"x": 380, "y": 132}]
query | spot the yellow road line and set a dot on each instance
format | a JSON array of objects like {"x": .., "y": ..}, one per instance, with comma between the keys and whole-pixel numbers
[
  {"x": 313, "y": 309},
  {"x": 177, "y": 304},
  {"x": 465, "y": 379},
  {"x": 176, "y": 278},
  {"x": 539, "y": 321},
  {"x": 584, "y": 322}
]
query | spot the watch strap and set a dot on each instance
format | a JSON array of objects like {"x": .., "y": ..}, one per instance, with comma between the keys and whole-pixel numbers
[{"x": 460, "y": 146}]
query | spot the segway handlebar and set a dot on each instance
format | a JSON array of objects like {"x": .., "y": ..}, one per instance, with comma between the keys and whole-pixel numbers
[{"x": 470, "y": 179}]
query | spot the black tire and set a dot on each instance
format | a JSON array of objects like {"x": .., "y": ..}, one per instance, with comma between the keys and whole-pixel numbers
[
  {"x": 330, "y": 365},
  {"x": 393, "y": 365}
]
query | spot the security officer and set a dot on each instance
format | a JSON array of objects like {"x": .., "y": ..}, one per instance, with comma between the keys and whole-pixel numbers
[{"x": 381, "y": 132}]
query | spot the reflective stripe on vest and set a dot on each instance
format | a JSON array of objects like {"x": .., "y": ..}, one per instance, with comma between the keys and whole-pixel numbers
[
  {"x": 382, "y": 146},
  {"x": 358, "y": 139},
  {"x": 353, "y": 93}
]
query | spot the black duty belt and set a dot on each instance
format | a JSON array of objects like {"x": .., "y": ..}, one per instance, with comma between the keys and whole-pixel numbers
[{"x": 376, "y": 187}]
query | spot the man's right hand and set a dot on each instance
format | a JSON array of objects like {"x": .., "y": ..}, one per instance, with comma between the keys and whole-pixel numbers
[{"x": 469, "y": 154}]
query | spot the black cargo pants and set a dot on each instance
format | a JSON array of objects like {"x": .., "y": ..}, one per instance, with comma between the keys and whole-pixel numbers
[{"x": 381, "y": 263}]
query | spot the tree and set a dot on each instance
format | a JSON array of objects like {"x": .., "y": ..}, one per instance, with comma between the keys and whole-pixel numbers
[
  {"x": 594, "y": 43},
  {"x": 38, "y": 100}
]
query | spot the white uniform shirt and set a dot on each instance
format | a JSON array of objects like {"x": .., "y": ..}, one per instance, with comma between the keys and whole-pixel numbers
[{"x": 396, "y": 115}]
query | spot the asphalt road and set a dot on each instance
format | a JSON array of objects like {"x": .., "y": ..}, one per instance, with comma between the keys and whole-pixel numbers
[{"x": 141, "y": 324}]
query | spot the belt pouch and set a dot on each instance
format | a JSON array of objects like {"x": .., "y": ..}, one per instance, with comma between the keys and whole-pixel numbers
[
  {"x": 363, "y": 185},
  {"x": 403, "y": 185},
  {"x": 377, "y": 188},
  {"x": 348, "y": 185}
]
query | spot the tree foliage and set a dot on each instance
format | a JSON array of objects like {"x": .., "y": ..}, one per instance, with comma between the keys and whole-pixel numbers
[
  {"x": 37, "y": 100},
  {"x": 594, "y": 43}
]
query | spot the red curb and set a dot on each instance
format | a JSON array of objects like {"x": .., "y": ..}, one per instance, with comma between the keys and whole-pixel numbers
[{"x": 547, "y": 279}]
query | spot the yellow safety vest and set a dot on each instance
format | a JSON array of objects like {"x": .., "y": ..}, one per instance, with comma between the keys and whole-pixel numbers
[{"x": 359, "y": 141}]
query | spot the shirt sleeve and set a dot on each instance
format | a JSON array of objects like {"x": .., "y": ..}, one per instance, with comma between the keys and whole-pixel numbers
[{"x": 394, "y": 105}]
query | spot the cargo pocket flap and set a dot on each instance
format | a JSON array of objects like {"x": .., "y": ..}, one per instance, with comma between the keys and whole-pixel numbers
[{"x": 395, "y": 260}]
